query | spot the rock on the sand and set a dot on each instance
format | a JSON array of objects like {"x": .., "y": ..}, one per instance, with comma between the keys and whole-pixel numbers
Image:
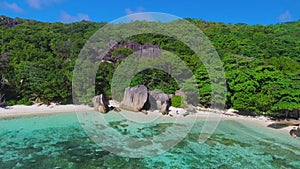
[
  {"x": 160, "y": 101},
  {"x": 134, "y": 98},
  {"x": 100, "y": 104}
]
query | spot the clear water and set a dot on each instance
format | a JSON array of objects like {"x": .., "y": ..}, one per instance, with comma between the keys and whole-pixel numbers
[{"x": 58, "y": 141}]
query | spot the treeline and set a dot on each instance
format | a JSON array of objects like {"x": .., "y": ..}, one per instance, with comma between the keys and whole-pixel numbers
[{"x": 261, "y": 63}]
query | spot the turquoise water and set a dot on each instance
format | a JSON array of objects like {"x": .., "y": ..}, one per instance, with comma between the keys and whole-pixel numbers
[{"x": 58, "y": 141}]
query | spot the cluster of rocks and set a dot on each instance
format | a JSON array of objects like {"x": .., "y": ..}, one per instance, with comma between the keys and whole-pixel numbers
[
  {"x": 158, "y": 101},
  {"x": 8, "y": 22},
  {"x": 143, "y": 51},
  {"x": 137, "y": 99}
]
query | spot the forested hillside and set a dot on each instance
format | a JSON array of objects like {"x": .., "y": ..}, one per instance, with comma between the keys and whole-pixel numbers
[{"x": 261, "y": 63}]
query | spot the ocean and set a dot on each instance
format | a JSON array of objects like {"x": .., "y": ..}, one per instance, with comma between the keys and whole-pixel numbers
[{"x": 63, "y": 141}]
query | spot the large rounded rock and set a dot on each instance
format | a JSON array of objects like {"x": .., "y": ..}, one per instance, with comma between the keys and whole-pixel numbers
[
  {"x": 134, "y": 98},
  {"x": 160, "y": 101},
  {"x": 100, "y": 104}
]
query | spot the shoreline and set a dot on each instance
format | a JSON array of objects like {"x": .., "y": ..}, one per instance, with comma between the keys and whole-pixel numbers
[{"x": 37, "y": 109}]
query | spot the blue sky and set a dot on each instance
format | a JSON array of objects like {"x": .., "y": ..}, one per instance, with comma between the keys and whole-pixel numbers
[{"x": 228, "y": 11}]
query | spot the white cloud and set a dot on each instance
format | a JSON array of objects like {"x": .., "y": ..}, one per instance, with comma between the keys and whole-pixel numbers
[
  {"x": 285, "y": 17},
  {"x": 137, "y": 15},
  {"x": 38, "y": 4},
  {"x": 129, "y": 11},
  {"x": 13, "y": 6},
  {"x": 67, "y": 18}
]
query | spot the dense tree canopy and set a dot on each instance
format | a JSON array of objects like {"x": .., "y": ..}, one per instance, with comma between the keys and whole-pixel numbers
[{"x": 261, "y": 63}]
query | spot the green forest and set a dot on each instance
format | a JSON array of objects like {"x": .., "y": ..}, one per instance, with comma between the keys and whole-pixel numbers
[{"x": 262, "y": 63}]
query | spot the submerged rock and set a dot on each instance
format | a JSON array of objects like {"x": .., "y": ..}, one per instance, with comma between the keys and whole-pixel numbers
[
  {"x": 135, "y": 98},
  {"x": 100, "y": 104},
  {"x": 277, "y": 125}
]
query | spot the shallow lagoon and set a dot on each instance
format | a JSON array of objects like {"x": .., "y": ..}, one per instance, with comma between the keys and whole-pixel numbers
[{"x": 58, "y": 141}]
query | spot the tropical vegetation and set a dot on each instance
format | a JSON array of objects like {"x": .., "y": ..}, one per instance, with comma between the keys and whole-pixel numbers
[{"x": 261, "y": 63}]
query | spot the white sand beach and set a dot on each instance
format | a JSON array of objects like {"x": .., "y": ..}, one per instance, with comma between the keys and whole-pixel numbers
[{"x": 36, "y": 109}]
